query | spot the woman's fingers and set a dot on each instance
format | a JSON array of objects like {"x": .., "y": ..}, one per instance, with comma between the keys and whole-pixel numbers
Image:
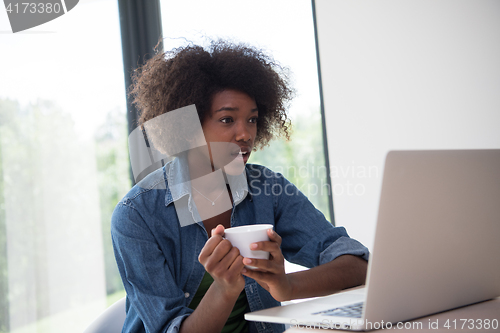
[
  {"x": 257, "y": 275},
  {"x": 218, "y": 230},
  {"x": 218, "y": 254},
  {"x": 267, "y": 246},
  {"x": 209, "y": 248},
  {"x": 263, "y": 265},
  {"x": 273, "y": 236},
  {"x": 212, "y": 243},
  {"x": 229, "y": 258},
  {"x": 237, "y": 265},
  {"x": 272, "y": 246},
  {"x": 275, "y": 264}
]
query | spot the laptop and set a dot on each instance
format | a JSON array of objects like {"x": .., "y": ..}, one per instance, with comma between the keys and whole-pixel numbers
[{"x": 436, "y": 245}]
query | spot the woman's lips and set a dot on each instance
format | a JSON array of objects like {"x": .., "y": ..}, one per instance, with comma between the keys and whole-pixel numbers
[{"x": 244, "y": 155}]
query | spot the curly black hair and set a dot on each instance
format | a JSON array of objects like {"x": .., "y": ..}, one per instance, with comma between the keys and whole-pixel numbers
[{"x": 193, "y": 74}]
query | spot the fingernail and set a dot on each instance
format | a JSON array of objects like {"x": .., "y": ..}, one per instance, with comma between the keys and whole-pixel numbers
[
  {"x": 247, "y": 261},
  {"x": 253, "y": 246},
  {"x": 244, "y": 270}
]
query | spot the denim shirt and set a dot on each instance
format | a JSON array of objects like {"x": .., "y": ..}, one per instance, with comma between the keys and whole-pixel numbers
[{"x": 158, "y": 258}]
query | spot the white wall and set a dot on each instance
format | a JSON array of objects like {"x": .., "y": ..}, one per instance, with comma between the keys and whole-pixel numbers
[{"x": 419, "y": 74}]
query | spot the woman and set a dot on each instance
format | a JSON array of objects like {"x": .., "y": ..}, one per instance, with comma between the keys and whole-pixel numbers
[{"x": 184, "y": 276}]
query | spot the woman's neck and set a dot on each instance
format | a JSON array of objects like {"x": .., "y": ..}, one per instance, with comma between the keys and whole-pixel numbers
[{"x": 201, "y": 172}]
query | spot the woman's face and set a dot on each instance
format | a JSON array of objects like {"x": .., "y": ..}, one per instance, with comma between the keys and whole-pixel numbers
[{"x": 230, "y": 129}]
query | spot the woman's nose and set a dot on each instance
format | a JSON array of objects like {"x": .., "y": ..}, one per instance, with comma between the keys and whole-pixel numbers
[{"x": 243, "y": 133}]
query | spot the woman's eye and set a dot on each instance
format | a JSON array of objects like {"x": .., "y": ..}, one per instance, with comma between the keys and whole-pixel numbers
[
  {"x": 226, "y": 120},
  {"x": 253, "y": 120}
]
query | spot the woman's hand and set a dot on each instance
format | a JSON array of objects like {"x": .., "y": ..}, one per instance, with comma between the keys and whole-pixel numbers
[
  {"x": 224, "y": 263},
  {"x": 270, "y": 274}
]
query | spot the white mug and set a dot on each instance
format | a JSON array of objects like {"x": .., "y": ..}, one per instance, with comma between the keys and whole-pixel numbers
[{"x": 242, "y": 237}]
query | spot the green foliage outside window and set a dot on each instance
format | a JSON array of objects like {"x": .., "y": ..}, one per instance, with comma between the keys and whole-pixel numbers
[
  {"x": 301, "y": 160},
  {"x": 114, "y": 182}
]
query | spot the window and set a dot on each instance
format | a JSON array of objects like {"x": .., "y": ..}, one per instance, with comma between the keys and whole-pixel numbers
[
  {"x": 284, "y": 29},
  {"x": 63, "y": 166},
  {"x": 63, "y": 146}
]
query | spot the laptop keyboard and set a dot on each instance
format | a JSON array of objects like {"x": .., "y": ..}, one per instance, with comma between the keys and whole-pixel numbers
[{"x": 352, "y": 310}]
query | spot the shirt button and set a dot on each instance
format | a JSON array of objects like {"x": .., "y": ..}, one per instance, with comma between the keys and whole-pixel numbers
[{"x": 186, "y": 295}]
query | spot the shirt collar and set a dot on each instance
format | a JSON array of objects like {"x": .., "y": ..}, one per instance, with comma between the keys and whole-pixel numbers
[{"x": 179, "y": 183}]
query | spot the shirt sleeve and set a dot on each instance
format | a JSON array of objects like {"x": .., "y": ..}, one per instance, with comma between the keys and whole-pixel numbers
[
  {"x": 308, "y": 238},
  {"x": 148, "y": 280}
]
